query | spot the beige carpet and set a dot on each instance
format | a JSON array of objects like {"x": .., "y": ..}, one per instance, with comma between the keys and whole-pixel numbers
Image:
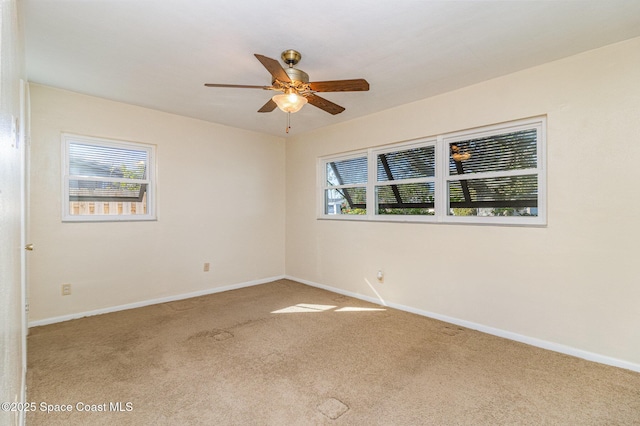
[{"x": 287, "y": 354}]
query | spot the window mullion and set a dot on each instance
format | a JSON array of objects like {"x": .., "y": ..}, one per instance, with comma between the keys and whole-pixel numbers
[
  {"x": 351, "y": 185},
  {"x": 487, "y": 175},
  {"x": 372, "y": 164},
  {"x": 405, "y": 181},
  {"x": 107, "y": 179},
  {"x": 442, "y": 172}
]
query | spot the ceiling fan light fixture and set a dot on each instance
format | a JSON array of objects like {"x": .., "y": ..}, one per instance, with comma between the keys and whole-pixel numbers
[{"x": 289, "y": 102}]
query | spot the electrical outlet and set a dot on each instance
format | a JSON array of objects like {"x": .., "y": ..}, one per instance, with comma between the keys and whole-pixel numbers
[
  {"x": 206, "y": 267},
  {"x": 66, "y": 289}
]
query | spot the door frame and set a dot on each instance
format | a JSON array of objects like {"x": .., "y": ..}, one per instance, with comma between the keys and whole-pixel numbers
[{"x": 23, "y": 140}]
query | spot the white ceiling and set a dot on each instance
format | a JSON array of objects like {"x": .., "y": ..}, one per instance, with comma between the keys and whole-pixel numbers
[{"x": 159, "y": 53}]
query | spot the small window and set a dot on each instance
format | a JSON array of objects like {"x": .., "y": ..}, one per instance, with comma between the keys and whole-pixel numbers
[
  {"x": 405, "y": 181},
  {"x": 493, "y": 174},
  {"x": 345, "y": 191},
  {"x": 107, "y": 180}
]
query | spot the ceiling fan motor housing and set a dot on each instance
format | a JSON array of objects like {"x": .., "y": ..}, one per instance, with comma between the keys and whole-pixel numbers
[
  {"x": 292, "y": 57},
  {"x": 297, "y": 75}
]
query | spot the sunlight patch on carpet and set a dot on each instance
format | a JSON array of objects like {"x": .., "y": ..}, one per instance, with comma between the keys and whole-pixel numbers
[
  {"x": 358, "y": 309},
  {"x": 303, "y": 307},
  {"x": 309, "y": 307}
]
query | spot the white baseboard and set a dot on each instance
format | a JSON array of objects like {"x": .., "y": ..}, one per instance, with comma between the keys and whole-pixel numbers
[
  {"x": 544, "y": 344},
  {"x": 140, "y": 304}
]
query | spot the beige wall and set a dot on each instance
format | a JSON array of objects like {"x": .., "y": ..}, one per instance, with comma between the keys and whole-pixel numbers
[
  {"x": 220, "y": 200},
  {"x": 574, "y": 283}
]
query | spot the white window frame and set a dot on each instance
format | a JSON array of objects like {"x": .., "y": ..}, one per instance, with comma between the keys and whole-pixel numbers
[
  {"x": 373, "y": 179},
  {"x": 539, "y": 124},
  {"x": 324, "y": 186},
  {"x": 443, "y": 177},
  {"x": 150, "y": 179}
]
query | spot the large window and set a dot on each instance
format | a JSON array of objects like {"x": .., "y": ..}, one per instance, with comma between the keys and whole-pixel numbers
[
  {"x": 106, "y": 180},
  {"x": 488, "y": 175}
]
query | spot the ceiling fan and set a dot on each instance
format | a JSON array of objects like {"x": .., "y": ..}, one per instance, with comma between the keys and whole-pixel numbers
[{"x": 296, "y": 88}]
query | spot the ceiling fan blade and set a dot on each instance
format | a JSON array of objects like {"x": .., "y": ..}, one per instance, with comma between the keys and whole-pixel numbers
[
  {"x": 357, "y": 85},
  {"x": 324, "y": 104},
  {"x": 238, "y": 86},
  {"x": 268, "y": 107},
  {"x": 274, "y": 68}
]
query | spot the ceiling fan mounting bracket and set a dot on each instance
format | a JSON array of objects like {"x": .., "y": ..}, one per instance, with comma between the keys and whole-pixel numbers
[{"x": 291, "y": 57}]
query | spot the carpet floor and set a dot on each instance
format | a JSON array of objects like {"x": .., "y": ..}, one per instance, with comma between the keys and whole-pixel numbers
[{"x": 284, "y": 353}]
